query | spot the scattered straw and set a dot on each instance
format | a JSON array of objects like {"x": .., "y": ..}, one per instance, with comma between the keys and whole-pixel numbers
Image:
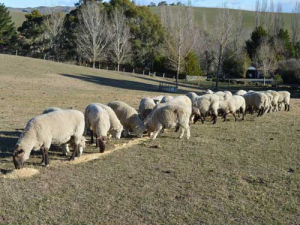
[
  {"x": 88, "y": 157},
  {"x": 22, "y": 173}
]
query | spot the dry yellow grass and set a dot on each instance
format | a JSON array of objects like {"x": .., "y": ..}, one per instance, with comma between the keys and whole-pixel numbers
[{"x": 230, "y": 173}]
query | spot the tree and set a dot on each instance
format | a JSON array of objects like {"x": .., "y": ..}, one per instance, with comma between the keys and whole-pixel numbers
[
  {"x": 162, "y": 3},
  {"x": 223, "y": 35},
  {"x": 180, "y": 35},
  {"x": 7, "y": 29},
  {"x": 279, "y": 23},
  {"x": 237, "y": 66},
  {"x": 93, "y": 32},
  {"x": 287, "y": 46},
  {"x": 192, "y": 65},
  {"x": 53, "y": 24},
  {"x": 295, "y": 23},
  {"x": 120, "y": 45},
  {"x": 31, "y": 32},
  {"x": 257, "y": 37},
  {"x": 265, "y": 59}
]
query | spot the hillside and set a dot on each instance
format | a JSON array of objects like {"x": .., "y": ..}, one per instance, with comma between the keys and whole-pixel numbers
[
  {"x": 244, "y": 172},
  {"x": 249, "y": 16},
  {"x": 17, "y": 17}
]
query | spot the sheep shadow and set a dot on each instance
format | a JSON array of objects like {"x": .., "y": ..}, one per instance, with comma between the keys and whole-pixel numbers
[{"x": 120, "y": 83}]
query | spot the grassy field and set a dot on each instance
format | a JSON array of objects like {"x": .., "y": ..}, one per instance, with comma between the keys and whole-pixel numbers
[
  {"x": 229, "y": 173},
  {"x": 248, "y": 17},
  {"x": 17, "y": 17}
]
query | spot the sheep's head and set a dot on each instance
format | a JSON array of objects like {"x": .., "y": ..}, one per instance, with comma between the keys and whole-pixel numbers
[
  {"x": 139, "y": 131},
  {"x": 116, "y": 133},
  {"x": 101, "y": 143},
  {"x": 19, "y": 157}
]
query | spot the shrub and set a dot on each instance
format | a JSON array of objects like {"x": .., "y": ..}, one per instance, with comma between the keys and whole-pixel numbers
[
  {"x": 192, "y": 65},
  {"x": 290, "y": 71}
]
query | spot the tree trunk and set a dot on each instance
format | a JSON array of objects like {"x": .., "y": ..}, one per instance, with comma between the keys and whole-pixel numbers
[
  {"x": 94, "y": 64},
  {"x": 118, "y": 67},
  {"x": 219, "y": 67}
]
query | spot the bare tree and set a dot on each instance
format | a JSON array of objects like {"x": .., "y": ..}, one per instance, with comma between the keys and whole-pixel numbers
[
  {"x": 180, "y": 39},
  {"x": 295, "y": 20},
  {"x": 93, "y": 33},
  {"x": 271, "y": 19},
  {"x": 278, "y": 25},
  {"x": 53, "y": 24},
  {"x": 265, "y": 60},
  {"x": 225, "y": 32},
  {"x": 120, "y": 45},
  {"x": 257, "y": 13}
]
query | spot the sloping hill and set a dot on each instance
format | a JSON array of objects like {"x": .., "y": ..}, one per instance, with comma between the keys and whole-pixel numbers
[
  {"x": 248, "y": 16},
  {"x": 17, "y": 17},
  {"x": 244, "y": 172}
]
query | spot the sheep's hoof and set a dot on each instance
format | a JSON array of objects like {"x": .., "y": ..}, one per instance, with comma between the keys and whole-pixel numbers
[{"x": 47, "y": 166}]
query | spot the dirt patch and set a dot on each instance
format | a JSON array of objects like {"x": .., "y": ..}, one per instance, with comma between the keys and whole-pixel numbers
[
  {"x": 22, "y": 173},
  {"x": 117, "y": 147}
]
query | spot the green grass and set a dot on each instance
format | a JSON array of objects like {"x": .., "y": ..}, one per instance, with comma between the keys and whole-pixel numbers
[
  {"x": 229, "y": 173},
  {"x": 248, "y": 17},
  {"x": 17, "y": 17}
]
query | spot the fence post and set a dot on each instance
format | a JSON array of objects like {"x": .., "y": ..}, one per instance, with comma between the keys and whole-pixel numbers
[
  {"x": 163, "y": 75},
  {"x": 154, "y": 74},
  {"x": 149, "y": 73},
  {"x": 16, "y": 52},
  {"x": 143, "y": 72},
  {"x": 132, "y": 70},
  {"x": 99, "y": 66},
  {"x": 107, "y": 68},
  {"x": 124, "y": 69}
]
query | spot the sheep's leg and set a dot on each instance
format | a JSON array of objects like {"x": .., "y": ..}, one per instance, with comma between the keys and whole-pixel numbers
[
  {"x": 97, "y": 141},
  {"x": 160, "y": 127},
  {"x": 92, "y": 137},
  {"x": 215, "y": 119},
  {"x": 65, "y": 149},
  {"x": 182, "y": 132},
  {"x": 235, "y": 119},
  {"x": 46, "y": 157},
  {"x": 224, "y": 117},
  {"x": 188, "y": 132},
  {"x": 74, "y": 152},
  {"x": 288, "y": 108},
  {"x": 244, "y": 113},
  {"x": 43, "y": 154}
]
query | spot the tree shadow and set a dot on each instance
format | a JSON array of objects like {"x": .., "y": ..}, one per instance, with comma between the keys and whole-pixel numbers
[{"x": 122, "y": 84}]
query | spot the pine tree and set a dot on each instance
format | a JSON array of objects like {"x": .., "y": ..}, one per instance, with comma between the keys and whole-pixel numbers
[
  {"x": 7, "y": 30},
  {"x": 192, "y": 65},
  {"x": 257, "y": 37}
]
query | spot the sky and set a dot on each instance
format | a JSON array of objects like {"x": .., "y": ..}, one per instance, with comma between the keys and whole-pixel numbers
[{"x": 287, "y": 5}]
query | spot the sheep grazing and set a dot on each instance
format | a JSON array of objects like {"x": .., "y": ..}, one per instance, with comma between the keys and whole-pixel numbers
[
  {"x": 57, "y": 127},
  {"x": 192, "y": 95},
  {"x": 240, "y": 92},
  {"x": 228, "y": 93},
  {"x": 145, "y": 107},
  {"x": 128, "y": 117},
  {"x": 257, "y": 101},
  {"x": 208, "y": 91},
  {"x": 158, "y": 99},
  {"x": 232, "y": 105},
  {"x": 284, "y": 98},
  {"x": 166, "y": 98},
  {"x": 97, "y": 119},
  {"x": 65, "y": 147},
  {"x": 167, "y": 117},
  {"x": 205, "y": 104},
  {"x": 116, "y": 127},
  {"x": 274, "y": 101}
]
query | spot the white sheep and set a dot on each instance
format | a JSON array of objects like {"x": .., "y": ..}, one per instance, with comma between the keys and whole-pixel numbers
[
  {"x": 205, "y": 104},
  {"x": 222, "y": 95},
  {"x": 145, "y": 107},
  {"x": 192, "y": 95},
  {"x": 257, "y": 101},
  {"x": 158, "y": 99},
  {"x": 228, "y": 93},
  {"x": 232, "y": 105},
  {"x": 166, "y": 98},
  {"x": 116, "y": 127},
  {"x": 208, "y": 91},
  {"x": 128, "y": 117},
  {"x": 57, "y": 127},
  {"x": 65, "y": 147},
  {"x": 167, "y": 117},
  {"x": 284, "y": 98},
  {"x": 274, "y": 100},
  {"x": 240, "y": 92},
  {"x": 97, "y": 119}
]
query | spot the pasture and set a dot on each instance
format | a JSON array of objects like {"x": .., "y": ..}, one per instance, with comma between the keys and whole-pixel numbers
[{"x": 229, "y": 173}]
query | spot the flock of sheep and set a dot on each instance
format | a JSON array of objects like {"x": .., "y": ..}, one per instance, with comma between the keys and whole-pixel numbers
[{"x": 56, "y": 126}]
